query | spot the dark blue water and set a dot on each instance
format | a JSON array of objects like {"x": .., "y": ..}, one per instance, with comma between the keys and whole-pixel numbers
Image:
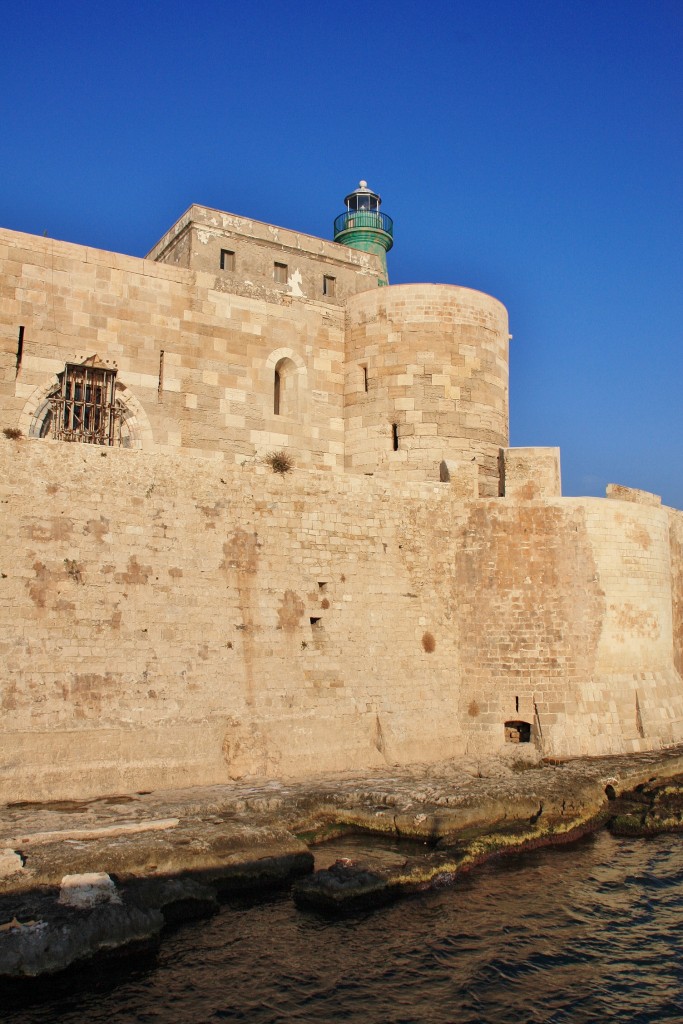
[{"x": 592, "y": 932}]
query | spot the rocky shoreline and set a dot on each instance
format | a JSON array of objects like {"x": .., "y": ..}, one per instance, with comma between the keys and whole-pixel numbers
[{"x": 104, "y": 877}]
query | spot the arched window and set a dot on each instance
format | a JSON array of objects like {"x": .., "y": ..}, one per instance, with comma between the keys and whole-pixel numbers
[
  {"x": 276, "y": 393},
  {"x": 285, "y": 388},
  {"x": 87, "y": 402},
  {"x": 84, "y": 406}
]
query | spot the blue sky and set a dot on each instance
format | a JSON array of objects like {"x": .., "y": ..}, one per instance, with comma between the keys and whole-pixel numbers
[{"x": 533, "y": 150}]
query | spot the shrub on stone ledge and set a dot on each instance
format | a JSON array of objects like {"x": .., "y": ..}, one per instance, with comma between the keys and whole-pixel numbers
[{"x": 12, "y": 433}]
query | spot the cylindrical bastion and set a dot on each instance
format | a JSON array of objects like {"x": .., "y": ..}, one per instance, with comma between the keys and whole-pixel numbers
[{"x": 426, "y": 379}]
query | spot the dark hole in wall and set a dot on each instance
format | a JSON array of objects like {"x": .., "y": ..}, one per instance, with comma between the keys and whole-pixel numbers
[
  {"x": 394, "y": 434},
  {"x": 20, "y": 349},
  {"x": 501, "y": 473},
  {"x": 517, "y": 732},
  {"x": 316, "y": 623},
  {"x": 276, "y": 394},
  {"x": 639, "y": 718}
]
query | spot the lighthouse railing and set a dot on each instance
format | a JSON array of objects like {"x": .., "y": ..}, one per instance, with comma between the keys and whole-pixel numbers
[{"x": 364, "y": 219}]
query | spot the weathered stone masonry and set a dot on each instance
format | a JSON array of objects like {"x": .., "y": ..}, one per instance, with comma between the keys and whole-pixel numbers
[
  {"x": 185, "y": 621},
  {"x": 175, "y": 613}
]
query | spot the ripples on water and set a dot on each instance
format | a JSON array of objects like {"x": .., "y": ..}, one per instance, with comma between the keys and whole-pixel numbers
[{"x": 587, "y": 933}]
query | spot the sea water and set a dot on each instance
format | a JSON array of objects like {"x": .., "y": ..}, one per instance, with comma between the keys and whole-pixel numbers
[{"x": 591, "y": 932}]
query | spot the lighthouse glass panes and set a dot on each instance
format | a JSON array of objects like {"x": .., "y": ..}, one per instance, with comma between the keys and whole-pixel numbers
[
  {"x": 363, "y": 201},
  {"x": 83, "y": 409}
]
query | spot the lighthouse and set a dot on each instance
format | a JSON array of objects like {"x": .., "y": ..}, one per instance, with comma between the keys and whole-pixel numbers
[{"x": 363, "y": 226}]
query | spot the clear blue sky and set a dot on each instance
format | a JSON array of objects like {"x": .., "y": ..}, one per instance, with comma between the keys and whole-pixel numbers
[{"x": 529, "y": 148}]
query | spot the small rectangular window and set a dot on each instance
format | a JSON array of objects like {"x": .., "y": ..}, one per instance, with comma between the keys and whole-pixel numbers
[
  {"x": 280, "y": 273},
  {"x": 227, "y": 259},
  {"x": 329, "y": 286}
]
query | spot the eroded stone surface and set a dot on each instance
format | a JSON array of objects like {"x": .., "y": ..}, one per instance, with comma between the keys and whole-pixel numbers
[
  {"x": 56, "y": 943},
  {"x": 650, "y": 808},
  {"x": 257, "y": 835}
]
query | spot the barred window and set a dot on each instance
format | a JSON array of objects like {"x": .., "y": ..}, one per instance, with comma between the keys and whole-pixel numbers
[{"x": 84, "y": 405}]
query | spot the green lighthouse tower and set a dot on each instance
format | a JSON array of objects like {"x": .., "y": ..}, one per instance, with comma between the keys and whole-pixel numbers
[{"x": 362, "y": 226}]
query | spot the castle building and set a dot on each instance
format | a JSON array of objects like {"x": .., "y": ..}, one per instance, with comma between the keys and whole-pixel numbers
[{"x": 408, "y": 588}]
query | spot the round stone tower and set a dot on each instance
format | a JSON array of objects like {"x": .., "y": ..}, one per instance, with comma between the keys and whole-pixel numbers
[
  {"x": 426, "y": 380},
  {"x": 363, "y": 226}
]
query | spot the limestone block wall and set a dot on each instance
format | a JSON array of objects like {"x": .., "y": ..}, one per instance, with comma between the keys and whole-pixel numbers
[
  {"x": 621, "y": 493},
  {"x": 531, "y": 473},
  {"x": 566, "y": 624},
  {"x": 676, "y": 546},
  {"x": 529, "y": 614},
  {"x": 197, "y": 364},
  {"x": 426, "y": 381},
  {"x": 197, "y": 239},
  {"x": 171, "y": 620},
  {"x": 636, "y": 693}
]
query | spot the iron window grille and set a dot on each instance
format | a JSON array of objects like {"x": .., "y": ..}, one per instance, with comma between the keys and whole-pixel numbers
[{"x": 84, "y": 406}]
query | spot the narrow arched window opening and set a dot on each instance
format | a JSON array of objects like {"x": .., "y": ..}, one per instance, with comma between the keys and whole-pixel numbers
[
  {"x": 276, "y": 393},
  {"x": 286, "y": 379}
]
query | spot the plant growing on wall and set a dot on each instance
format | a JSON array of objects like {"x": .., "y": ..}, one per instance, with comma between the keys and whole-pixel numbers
[{"x": 279, "y": 462}]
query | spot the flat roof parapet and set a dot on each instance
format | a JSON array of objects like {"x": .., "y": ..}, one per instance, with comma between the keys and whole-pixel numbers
[{"x": 621, "y": 493}]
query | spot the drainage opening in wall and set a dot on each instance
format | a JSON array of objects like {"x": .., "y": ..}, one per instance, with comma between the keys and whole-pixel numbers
[
  {"x": 517, "y": 732},
  {"x": 316, "y": 623}
]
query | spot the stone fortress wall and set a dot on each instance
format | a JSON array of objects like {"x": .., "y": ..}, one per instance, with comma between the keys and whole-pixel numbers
[
  {"x": 430, "y": 363},
  {"x": 172, "y": 620},
  {"x": 241, "y": 254},
  {"x": 175, "y": 613},
  {"x": 197, "y": 362}
]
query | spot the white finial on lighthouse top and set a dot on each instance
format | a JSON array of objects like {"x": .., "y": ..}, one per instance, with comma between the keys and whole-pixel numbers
[{"x": 363, "y": 184}]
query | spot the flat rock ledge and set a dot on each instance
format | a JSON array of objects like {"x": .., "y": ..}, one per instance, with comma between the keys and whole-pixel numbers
[{"x": 101, "y": 877}]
